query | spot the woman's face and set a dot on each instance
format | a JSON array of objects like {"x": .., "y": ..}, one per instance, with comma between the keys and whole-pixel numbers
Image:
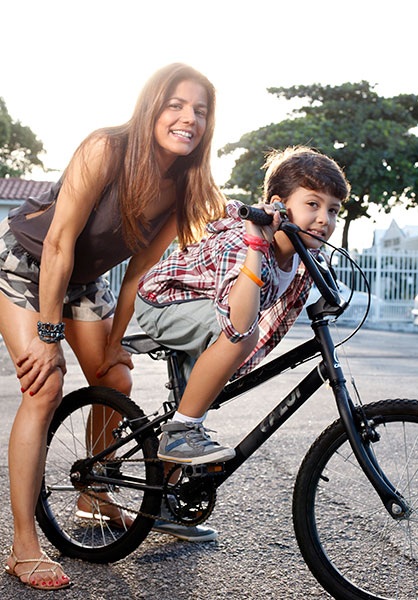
[{"x": 182, "y": 123}]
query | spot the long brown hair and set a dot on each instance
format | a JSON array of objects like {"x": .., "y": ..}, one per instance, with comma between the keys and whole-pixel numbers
[{"x": 132, "y": 170}]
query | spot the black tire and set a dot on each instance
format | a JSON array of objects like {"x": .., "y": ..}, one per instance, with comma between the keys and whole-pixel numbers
[
  {"x": 349, "y": 541},
  {"x": 95, "y": 540}
]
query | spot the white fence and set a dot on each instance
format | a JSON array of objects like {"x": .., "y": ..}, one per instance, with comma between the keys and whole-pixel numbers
[
  {"x": 115, "y": 276},
  {"x": 392, "y": 276},
  {"x": 393, "y": 279}
]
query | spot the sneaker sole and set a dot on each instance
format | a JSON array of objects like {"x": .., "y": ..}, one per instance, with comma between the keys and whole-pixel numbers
[
  {"x": 209, "y": 537},
  {"x": 198, "y": 460}
]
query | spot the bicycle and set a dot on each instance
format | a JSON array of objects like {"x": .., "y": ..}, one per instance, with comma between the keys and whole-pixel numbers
[{"x": 355, "y": 496}]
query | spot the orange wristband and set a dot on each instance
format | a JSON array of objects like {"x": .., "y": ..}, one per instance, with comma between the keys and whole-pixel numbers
[{"x": 251, "y": 275}]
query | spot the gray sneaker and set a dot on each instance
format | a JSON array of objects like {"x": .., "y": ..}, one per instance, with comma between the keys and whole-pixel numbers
[
  {"x": 190, "y": 534},
  {"x": 188, "y": 443}
]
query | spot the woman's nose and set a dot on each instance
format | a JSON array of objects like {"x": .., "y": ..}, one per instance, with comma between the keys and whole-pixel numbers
[{"x": 188, "y": 115}]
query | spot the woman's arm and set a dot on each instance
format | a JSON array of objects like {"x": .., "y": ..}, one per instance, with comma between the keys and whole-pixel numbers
[
  {"x": 77, "y": 197},
  {"x": 138, "y": 266}
]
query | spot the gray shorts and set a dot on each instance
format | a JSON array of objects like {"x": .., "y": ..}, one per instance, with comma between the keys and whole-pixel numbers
[
  {"x": 189, "y": 327},
  {"x": 19, "y": 282}
]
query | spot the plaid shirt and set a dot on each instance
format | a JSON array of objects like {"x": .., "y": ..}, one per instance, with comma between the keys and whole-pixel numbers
[{"x": 209, "y": 269}]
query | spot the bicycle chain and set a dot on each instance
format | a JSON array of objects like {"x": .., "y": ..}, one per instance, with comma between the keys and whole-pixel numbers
[{"x": 120, "y": 506}]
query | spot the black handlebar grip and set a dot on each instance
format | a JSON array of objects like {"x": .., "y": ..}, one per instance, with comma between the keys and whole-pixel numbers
[{"x": 256, "y": 215}]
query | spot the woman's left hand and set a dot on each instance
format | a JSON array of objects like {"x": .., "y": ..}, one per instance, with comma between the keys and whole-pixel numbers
[{"x": 114, "y": 355}]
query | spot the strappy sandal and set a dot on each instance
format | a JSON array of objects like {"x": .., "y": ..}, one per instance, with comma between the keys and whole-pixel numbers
[
  {"x": 115, "y": 522},
  {"x": 38, "y": 561},
  {"x": 119, "y": 521}
]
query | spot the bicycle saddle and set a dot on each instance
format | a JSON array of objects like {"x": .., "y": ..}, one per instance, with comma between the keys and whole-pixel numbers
[{"x": 140, "y": 343}]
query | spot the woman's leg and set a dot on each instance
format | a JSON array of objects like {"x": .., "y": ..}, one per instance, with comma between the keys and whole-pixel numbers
[
  {"x": 88, "y": 340},
  {"x": 27, "y": 443}
]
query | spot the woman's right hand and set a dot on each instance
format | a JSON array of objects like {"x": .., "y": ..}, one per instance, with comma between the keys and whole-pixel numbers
[{"x": 37, "y": 363}]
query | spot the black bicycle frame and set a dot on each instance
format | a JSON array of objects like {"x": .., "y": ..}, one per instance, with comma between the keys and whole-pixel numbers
[{"x": 327, "y": 369}]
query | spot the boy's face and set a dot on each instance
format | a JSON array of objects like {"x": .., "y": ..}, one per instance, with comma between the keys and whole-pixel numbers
[{"x": 313, "y": 211}]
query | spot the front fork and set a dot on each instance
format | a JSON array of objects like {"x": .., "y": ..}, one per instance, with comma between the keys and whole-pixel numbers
[{"x": 393, "y": 501}]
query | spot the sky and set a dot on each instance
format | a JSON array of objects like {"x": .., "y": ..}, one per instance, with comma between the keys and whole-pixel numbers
[{"x": 71, "y": 66}]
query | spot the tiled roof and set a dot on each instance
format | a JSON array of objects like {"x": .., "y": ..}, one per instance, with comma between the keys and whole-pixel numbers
[{"x": 14, "y": 188}]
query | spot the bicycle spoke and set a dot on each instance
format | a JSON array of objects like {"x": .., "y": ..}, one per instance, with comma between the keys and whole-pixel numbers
[
  {"x": 87, "y": 519},
  {"x": 359, "y": 545}
]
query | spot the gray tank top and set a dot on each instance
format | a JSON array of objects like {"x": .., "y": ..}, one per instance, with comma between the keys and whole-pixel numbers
[{"x": 99, "y": 247}]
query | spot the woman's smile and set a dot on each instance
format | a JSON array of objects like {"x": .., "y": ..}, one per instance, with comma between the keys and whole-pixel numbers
[{"x": 182, "y": 123}]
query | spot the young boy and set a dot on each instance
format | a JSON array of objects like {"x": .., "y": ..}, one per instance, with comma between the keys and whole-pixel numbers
[{"x": 228, "y": 300}]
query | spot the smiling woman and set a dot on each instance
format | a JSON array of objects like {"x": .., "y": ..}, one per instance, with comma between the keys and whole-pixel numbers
[
  {"x": 182, "y": 123},
  {"x": 127, "y": 193}
]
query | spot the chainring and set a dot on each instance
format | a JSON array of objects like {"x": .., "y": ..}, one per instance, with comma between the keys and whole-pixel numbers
[{"x": 189, "y": 498}]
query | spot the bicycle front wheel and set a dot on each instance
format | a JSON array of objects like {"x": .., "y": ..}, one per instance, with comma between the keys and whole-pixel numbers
[
  {"x": 350, "y": 543},
  {"x": 85, "y": 520}
]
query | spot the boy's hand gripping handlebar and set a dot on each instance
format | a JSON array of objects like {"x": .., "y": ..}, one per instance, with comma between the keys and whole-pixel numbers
[
  {"x": 318, "y": 269},
  {"x": 258, "y": 216}
]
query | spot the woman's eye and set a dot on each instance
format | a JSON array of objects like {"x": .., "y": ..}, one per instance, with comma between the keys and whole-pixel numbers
[
  {"x": 176, "y": 106},
  {"x": 201, "y": 113}
]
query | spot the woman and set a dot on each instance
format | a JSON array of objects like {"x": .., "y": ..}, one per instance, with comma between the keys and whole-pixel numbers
[{"x": 127, "y": 192}]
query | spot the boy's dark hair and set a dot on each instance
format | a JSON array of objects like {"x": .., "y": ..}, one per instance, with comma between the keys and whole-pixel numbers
[{"x": 303, "y": 167}]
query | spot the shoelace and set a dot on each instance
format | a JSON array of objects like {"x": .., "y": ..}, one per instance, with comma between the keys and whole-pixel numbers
[{"x": 198, "y": 436}]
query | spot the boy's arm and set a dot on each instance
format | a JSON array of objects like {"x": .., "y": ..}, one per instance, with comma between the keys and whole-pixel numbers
[{"x": 243, "y": 298}]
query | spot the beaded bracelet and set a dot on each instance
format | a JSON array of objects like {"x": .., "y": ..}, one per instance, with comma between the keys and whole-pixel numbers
[
  {"x": 50, "y": 333},
  {"x": 251, "y": 275},
  {"x": 257, "y": 243}
]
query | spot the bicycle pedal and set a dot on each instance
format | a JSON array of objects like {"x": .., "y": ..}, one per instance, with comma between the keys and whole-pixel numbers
[{"x": 204, "y": 470}]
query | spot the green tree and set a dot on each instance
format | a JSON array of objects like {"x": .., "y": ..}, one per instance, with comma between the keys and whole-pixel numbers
[
  {"x": 19, "y": 146},
  {"x": 370, "y": 136}
]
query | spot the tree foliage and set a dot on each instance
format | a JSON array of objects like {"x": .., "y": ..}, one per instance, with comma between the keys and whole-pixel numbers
[
  {"x": 371, "y": 138},
  {"x": 19, "y": 146}
]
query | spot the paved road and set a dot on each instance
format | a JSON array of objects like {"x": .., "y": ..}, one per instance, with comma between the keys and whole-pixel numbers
[{"x": 256, "y": 556}]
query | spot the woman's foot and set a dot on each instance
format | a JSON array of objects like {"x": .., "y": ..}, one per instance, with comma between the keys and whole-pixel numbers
[
  {"x": 94, "y": 509},
  {"x": 41, "y": 573}
]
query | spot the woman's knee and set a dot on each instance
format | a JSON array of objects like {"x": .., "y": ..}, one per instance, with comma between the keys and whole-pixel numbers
[
  {"x": 44, "y": 403},
  {"x": 118, "y": 378}
]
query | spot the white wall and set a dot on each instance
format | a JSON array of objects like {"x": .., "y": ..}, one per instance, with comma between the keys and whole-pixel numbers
[{"x": 6, "y": 205}]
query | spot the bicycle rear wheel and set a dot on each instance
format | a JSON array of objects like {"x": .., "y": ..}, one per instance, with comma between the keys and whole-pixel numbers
[
  {"x": 81, "y": 427},
  {"x": 349, "y": 541}
]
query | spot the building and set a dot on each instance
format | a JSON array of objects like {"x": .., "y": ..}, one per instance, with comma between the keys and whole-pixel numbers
[
  {"x": 13, "y": 191},
  {"x": 395, "y": 238}
]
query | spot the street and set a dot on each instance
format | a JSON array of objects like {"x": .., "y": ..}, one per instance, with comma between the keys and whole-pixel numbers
[{"x": 255, "y": 556}]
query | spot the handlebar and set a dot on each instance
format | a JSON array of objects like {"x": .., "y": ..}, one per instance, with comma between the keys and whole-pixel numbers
[
  {"x": 255, "y": 215},
  {"x": 317, "y": 268}
]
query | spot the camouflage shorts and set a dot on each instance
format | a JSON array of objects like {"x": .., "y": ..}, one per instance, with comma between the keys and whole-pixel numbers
[{"x": 19, "y": 282}]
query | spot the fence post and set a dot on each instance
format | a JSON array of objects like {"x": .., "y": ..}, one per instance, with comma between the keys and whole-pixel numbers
[{"x": 378, "y": 290}]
